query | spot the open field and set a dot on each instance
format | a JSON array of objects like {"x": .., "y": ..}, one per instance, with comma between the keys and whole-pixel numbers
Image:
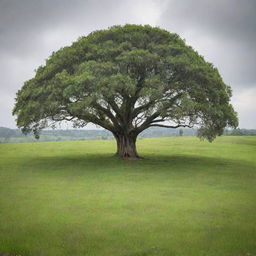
[{"x": 186, "y": 198}]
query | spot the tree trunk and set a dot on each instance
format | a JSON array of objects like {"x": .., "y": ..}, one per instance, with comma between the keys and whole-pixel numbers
[{"x": 126, "y": 146}]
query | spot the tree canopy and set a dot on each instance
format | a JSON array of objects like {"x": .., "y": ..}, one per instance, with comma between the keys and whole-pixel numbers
[{"x": 126, "y": 79}]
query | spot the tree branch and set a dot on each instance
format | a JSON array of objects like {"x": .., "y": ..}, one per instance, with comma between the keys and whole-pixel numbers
[
  {"x": 141, "y": 108},
  {"x": 115, "y": 108},
  {"x": 107, "y": 113},
  {"x": 138, "y": 110},
  {"x": 147, "y": 122},
  {"x": 171, "y": 126}
]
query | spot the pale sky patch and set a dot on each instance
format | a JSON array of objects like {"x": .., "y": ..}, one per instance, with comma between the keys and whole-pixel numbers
[{"x": 244, "y": 100}]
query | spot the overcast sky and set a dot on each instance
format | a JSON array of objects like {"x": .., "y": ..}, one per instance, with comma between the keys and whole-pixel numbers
[{"x": 223, "y": 31}]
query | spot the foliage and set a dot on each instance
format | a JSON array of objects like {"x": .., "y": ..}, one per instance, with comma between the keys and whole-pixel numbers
[{"x": 127, "y": 79}]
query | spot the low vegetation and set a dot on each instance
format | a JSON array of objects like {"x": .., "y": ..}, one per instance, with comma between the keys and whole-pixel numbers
[{"x": 186, "y": 197}]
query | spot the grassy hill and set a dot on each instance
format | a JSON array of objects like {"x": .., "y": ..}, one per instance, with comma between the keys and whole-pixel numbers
[{"x": 186, "y": 198}]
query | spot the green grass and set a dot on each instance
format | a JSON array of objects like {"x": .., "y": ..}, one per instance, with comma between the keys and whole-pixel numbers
[{"x": 186, "y": 198}]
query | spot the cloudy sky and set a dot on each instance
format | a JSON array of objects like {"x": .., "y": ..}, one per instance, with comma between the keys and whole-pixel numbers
[{"x": 224, "y": 31}]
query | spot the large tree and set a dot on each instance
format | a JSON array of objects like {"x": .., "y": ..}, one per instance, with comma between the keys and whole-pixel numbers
[{"x": 127, "y": 79}]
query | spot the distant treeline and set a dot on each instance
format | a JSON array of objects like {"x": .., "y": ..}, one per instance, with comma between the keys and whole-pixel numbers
[
  {"x": 8, "y": 135},
  {"x": 240, "y": 132},
  {"x": 15, "y": 133}
]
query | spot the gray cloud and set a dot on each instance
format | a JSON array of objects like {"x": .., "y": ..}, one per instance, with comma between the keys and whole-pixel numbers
[
  {"x": 27, "y": 25},
  {"x": 223, "y": 31}
]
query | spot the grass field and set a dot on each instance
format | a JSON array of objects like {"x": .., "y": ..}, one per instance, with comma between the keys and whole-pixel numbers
[{"x": 186, "y": 198}]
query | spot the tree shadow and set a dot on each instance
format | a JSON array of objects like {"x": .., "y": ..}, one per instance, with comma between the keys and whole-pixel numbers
[{"x": 152, "y": 163}]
